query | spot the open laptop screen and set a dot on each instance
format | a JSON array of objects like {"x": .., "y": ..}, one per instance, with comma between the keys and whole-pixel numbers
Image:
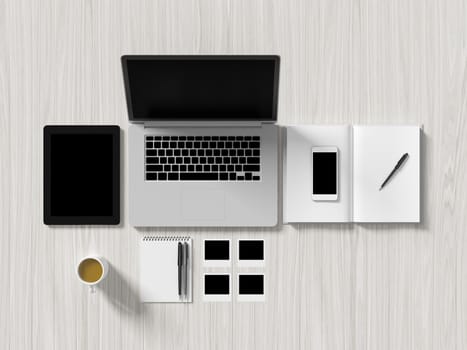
[{"x": 201, "y": 87}]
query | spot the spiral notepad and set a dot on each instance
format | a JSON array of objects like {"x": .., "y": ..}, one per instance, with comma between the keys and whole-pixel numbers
[{"x": 159, "y": 269}]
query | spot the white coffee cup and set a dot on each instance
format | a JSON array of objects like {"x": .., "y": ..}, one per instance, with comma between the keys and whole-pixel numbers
[{"x": 92, "y": 270}]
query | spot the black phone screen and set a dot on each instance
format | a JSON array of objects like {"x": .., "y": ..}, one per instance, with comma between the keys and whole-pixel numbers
[{"x": 324, "y": 172}]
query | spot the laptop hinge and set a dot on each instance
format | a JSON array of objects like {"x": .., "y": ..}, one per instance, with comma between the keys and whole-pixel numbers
[{"x": 202, "y": 124}]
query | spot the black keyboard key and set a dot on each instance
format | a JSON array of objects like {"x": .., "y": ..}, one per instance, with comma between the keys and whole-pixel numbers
[
  {"x": 194, "y": 160},
  {"x": 202, "y": 160},
  {"x": 199, "y": 176},
  {"x": 217, "y": 153},
  {"x": 182, "y": 138},
  {"x": 205, "y": 144},
  {"x": 238, "y": 168},
  {"x": 240, "y": 178},
  {"x": 179, "y": 160},
  {"x": 223, "y": 168},
  {"x": 153, "y": 167},
  {"x": 196, "y": 145},
  {"x": 214, "y": 167},
  {"x": 183, "y": 167},
  {"x": 242, "y": 160},
  {"x": 157, "y": 138},
  {"x": 254, "y": 144},
  {"x": 149, "y": 144},
  {"x": 169, "y": 152},
  {"x": 210, "y": 160},
  {"x": 207, "y": 168},
  {"x": 184, "y": 152},
  {"x": 198, "y": 138},
  {"x": 240, "y": 152},
  {"x": 232, "y": 176},
  {"x": 180, "y": 144},
  {"x": 157, "y": 144},
  {"x": 224, "y": 153},
  {"x": 191, "y": 168},
  {"x": 209, "y": 152},
  {"x": 236, "y": 145},
  {"x": 223, "y": 176},
  {"x": 239, "y": 138},
  {"x": 173, "y": 176},
  {"x": 234, "y": 160},
  {"x": 255, "y": 138},
  {"x": 173, "y": 138},
  {"x": 163, "y": 160},
  {"x": 252, "y": 160},
  {"x": 162, "y": 176},
  {"x": 186, "y": 160},
  {"x": 173, "y": 144},
  {"x": 212, "y": 144},
  {"x": 192, "y": 152},
  {"x": 231, "y": 138},
  {"x": 256, "y": 178},
  {"x": 247, "y": 176},
  {"x": 247, "y": 138},
  {"x": 233, "y": 152},
  {"x": 165, "y": 138},
  {"x": 248, "y": 153},
  {"x": 171, "y": 160},
  {"x": 228, "y": 145},
  {"x": 151, "y": 176},
  {"x": 165, "y": 145},
  {"x": 252, "y": 168},
  {"x": 177, "y": 152},
  {"x": 199, "y": 168},
  {"x": 190, "y": 138},
  {"x": 166, "y": 167},
  {"x": 175, "y": 167},
  {"x": 222, "y": 138},
  {"x": 201, "y": 152},
  {"x": 151, "y": 153},
  {"x": 149, "y": 138},
  {"x": 215, "y": 138},
  {"x": 230, "y": 168},
  {"x": 207, "y": 138},
  {"x": 161, "y": 152},
  {"x": 256, "y": 153},
  {"x": 152, "y": 160},
  {"x": 188, "y": 144},
  {"x": 220, "y": 145},
  {"x": 226, "y": 160},
  {"x": 218, "y": 160},
  {"x": 245, "y": 144}
]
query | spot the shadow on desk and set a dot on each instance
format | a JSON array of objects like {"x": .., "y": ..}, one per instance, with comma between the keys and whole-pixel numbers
[{"x": 120, "y": 293}]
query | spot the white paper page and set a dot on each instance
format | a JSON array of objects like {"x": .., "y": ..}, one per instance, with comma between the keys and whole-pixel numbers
[
  {"x": 298, "y": 204},
  {"x": 159, "y": 271},
  {"x": 377, "y": 149}
]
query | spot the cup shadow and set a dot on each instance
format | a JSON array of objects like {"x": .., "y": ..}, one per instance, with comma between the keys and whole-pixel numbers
[{"x": 121, "y": 293}]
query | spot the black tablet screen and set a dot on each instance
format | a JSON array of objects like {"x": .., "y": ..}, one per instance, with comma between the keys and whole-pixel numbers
[{"x": 81, "y": 175}]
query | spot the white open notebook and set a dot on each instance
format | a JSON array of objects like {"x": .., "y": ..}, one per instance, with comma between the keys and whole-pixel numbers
[
  {"x": 366, "y": 154},
  {"x": 158, "y": 279}
]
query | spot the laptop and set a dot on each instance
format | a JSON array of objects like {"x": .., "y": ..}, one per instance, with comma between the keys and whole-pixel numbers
[{"x": 203, "y": 144}]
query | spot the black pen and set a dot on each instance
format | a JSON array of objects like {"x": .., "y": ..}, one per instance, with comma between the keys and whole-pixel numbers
[
  {"x": 185, "y": 279},
  {"x": 398, "y": 165},
  {"x": 179, "y": 264}
]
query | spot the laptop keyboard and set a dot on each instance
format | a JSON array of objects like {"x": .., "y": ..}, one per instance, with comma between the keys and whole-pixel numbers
[{"x": 203, "y": 158}]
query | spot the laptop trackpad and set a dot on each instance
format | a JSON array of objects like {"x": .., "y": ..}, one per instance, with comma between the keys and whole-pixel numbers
[{"x": 203, "y": 204}]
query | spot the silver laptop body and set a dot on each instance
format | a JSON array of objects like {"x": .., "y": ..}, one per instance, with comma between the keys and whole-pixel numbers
[{"x": 203, "y": 144}]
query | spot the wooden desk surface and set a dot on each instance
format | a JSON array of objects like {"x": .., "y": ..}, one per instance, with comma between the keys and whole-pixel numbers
[{"x": 329, "y": 286}]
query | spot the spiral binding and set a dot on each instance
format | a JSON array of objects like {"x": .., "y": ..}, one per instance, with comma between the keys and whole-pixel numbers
[{"x": 165, "y": 238}]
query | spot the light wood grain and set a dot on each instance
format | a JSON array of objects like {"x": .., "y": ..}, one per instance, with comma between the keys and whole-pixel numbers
[{"x": 329, "y": 286}]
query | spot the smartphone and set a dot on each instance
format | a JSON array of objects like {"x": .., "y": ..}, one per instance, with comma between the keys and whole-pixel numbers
[{"x": 325, "y": 171}]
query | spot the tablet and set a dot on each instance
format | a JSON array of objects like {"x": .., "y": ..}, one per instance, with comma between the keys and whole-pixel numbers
[{"x": 81, "y": 175}]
